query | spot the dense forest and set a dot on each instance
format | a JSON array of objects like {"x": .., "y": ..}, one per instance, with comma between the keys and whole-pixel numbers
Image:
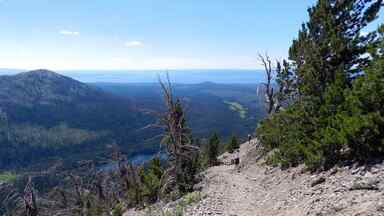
[{"x": 227, "y": 109}]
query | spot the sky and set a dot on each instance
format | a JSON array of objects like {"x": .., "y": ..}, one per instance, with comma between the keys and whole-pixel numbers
[{"x": 146, "y": 34}]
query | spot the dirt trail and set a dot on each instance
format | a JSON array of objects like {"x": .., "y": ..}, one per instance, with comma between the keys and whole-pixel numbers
[
  {"x": 228, "y": 193},
  {"x": 236, "y": 190},
  {"x": 255, "y": 189}
]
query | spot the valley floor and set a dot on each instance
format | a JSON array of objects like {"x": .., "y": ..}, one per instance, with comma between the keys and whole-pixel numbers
[{"x": 254, "y": 189}]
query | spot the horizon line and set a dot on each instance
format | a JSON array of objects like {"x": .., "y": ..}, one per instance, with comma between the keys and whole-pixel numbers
[{"x": 130, "y": 70}]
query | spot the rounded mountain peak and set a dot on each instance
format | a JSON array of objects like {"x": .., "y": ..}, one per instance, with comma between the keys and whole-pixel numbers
[
  {"x": 44, "y": 87},
  {"x": 40, "y": 73}
]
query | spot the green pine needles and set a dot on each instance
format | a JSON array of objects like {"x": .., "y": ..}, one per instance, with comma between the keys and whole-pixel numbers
[
  {"x": 337, "y": 112},
  {"x": 232, "y": 145},
  {"x": 213, "y": 149}
]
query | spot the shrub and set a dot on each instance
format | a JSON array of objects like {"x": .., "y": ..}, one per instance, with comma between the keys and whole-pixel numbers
[
  {"x": 118, "y": 210},
  {"x": 151, "y": 180}
]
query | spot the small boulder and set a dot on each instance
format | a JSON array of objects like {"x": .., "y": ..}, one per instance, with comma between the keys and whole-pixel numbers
[
  {"x": 366, "y": 183},
  {"x": 318, "y": 181}
]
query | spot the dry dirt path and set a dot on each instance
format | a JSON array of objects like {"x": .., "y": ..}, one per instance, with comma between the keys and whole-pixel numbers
[
  {"x": 242, "y": 190},
  {"x": 258, "y": 190},
  {"x": 228, "y": 192},
  {"x": 254, "y": 189}
]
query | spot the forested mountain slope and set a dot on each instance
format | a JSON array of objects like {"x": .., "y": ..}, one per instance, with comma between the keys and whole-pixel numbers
[
  {"x": 228, "y": 109},
  {"x": 46, "y": 115}
]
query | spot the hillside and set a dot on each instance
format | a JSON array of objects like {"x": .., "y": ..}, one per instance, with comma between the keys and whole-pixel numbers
[
  {"x": 225, "y": 108},
  {"x": 46, "y": 116},
  {"x": 256, "y": 189},
  {"x": 43, "y": 87}
]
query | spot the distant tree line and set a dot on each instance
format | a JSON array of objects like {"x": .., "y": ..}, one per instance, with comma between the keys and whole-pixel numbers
[{"x": 23, "y": 145}]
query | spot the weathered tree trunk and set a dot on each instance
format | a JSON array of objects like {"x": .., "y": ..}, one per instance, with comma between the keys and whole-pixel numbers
[
  {"x": 30, "y": 199},
  {"x": 178, "y": 143},
  {"x": 269, "y": 92}
]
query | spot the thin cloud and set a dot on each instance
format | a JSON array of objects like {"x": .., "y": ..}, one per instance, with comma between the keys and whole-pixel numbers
[
  {"x": 69, "y": 33},
  {"x": 133, "y": 44}
]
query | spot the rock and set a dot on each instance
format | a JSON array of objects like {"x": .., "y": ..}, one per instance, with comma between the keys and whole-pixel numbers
[
  {"x": 334, "y": 171},
  {"x": 355, "y": 171},
  {"x": 198, "y": 187},
  {"x": 374, "y": 170},
  {"x": 367, "y": 183},
  {"x": 318, "y": 181}
]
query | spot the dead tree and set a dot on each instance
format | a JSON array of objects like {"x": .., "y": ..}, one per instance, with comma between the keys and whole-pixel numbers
[
  {"x": 269, "y": 90},
  {"x": 129, "y": 179},
  {"x": 282, "y": 75},
  {"x": 178, "y": 143},
  {"x": 131, "y": 183},
  {"x": 30, "y": 199}
]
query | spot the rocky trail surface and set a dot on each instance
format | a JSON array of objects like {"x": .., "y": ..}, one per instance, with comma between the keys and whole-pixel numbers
[{"x": 253, "y": 189}]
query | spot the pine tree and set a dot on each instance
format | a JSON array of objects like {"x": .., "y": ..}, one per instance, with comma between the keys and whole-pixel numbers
[
  {"x": 362, "y": 122},
  {"x": 151, "y": 179},
  {"x": 330, "y": 46},
  {"x": 213, "y": 149},
  {"x": 232, "y": 145},
  {"x": 328, "y": 55}
]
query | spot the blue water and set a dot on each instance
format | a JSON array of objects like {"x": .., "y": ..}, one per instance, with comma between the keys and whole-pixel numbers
[
  {"x": 136, "y": 160},
  {"x": 177, "y": 76}
]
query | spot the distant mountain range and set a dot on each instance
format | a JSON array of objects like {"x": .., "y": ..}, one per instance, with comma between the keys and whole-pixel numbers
[
  {"x": 195, "y": 76},
  {"x": 45, "y": 116}
]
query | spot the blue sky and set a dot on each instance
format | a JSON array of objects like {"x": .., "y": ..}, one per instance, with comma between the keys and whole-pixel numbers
[{"x": 146, "y": 34}]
